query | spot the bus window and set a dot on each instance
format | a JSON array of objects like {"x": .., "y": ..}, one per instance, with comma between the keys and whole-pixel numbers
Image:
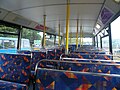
[
  {"x": 105, "y": 44},
  {"x": 25, "y": 44},
  {"x": 30, "y": 37},
  {"x": 49, "y": 40},
  {"x": 1, "y": 44},
  {"x": 115, "y": 29},
  {"x": 87, "y": 41},
  {"x": 9, "y": 44}
]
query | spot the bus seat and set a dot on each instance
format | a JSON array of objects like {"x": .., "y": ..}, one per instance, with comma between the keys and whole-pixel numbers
[
  {"x": 6, "y": 85},
  {"x": 51, "y": 54},
  {"x": 81, "y": 66},
  {"x": 89, "y": 56},
  {"x": 58, "y": 53},
  {"x": 57, "y": 80},
  {"x": 37, "y": 56},
  {"x": 15, "y": 68}
]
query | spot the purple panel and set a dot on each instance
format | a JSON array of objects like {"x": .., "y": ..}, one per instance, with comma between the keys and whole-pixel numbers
[{"x": 105, "y": 15}]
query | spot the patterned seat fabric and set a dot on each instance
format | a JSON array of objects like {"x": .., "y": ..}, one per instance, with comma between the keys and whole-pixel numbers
[
  {"x": 85, "y": 52},
  {"x": 51, "y": 54},
  {"x": 49, "y": 64},
  {"x": 24, "y": 52},
  {"x": 6, "y": 85},
  {"x": 96, "y": 68},
  {"x": 15, "y": 67},
  {"x": 58, "y": 53},
  {"x": 56, "y": 80},
  {"x": 37, "y": 56},
  {"x": 63, "y": 50},
  {"x": 89, "y": 56}
]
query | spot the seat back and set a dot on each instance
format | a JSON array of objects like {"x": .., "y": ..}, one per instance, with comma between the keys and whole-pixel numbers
[
  {"x": 89, "y": 56},
  {"x": 58, "y": 80},
  {"x": 96, "y": 67},
  {"x": 37, "y": 56},
  {"x": 15, "y": 67}
]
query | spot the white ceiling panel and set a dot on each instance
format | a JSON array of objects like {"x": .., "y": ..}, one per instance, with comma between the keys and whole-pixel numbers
[
  {"x": 86, "y": 1},
  {"x": 3, "y": 13},
  {"x": 15, "y": 5},
  {"x": 86, "y": 11}
]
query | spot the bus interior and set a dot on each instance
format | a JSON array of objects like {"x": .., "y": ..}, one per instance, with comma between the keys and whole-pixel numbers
[{"x": 59, "y": 44}]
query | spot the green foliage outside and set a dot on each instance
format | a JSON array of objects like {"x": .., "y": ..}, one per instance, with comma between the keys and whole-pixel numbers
[
  {"x": 26, "y": 33},
  {"x": 8, "y": 30},
  {"x": 31, "y": 35}
]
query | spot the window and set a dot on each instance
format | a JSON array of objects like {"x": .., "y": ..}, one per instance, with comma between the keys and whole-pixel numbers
[
  {"x": 49, "y": 40},
  {"x": 57, "y": 39},
  {"x": 73, "y": 41},
  {"x": 1, "y": 44},
  {"x": 9, "y": 44},
  {"x": 31, "y": 39},
  {"x": 98, "y": 40},
  {"x": 8, "y": 29},
  {"x": 25, "y": 43},
  {"x": 87, "y": 41},
  {"x": 105, "y": 43},
  {"x": 115, "y": 30}
]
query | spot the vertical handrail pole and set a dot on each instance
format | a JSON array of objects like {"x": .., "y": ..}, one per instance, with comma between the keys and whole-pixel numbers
[
  {"x": 59, "y": 34},
  {"x": 110, "y": 39},
  {"x": 67, "y": 25},
  {"x": 77, "y": 34},
  {"x": 44, "y": 42},
  {"x": 80, "y": 35}
]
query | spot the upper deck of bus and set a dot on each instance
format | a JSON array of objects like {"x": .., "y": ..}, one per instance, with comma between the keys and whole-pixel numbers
[
  {"x": 64, "y": 18},
  {"x": 80, "y": 44}
]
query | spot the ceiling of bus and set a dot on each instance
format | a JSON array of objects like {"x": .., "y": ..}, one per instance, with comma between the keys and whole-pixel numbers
[{"x": 87, "y": 11}]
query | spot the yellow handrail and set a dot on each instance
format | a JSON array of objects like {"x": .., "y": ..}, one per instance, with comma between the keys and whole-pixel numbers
[
  {"x": 77, "y": 34},
  {"x": 67, "y": 25},
  {"x": 59, "y": 34},
  {"x": 80, "y": 35},
  {"x": 44, "y": 39}
]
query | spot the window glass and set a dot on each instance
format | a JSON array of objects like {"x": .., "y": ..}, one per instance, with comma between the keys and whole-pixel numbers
[
  {"x": 105, "y": 43},
  {"x": 49, "y": 40},
  {"x": 115, "y": 30},
  {"x": 1, "y": 44},
  {"x": 7, "y": 29},
  {"x": 31, "y": 39},
  {"x": 73, "y": 41},
  {"x": 57, "y": 40},
  {"x": 87, "y": 41},
  {"x": 9, "y": 44},
  {"x": 98, "y": 40}
]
